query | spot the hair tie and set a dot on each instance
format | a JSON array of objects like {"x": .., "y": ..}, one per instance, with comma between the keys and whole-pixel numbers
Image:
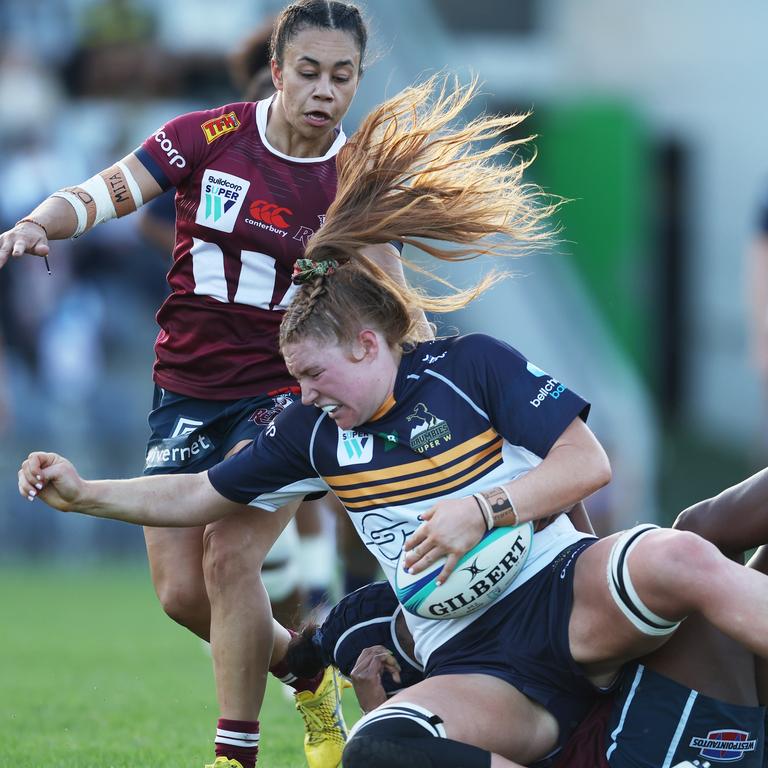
[{"x": 306, "y": 269}]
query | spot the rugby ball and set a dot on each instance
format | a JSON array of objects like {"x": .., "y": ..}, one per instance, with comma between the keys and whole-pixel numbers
[{"x": 479, "y": 578}]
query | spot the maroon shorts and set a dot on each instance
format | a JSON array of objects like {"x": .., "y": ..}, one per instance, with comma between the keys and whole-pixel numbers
[{"x": 586, "y": 746}]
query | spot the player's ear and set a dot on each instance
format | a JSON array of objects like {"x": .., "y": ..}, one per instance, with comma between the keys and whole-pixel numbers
[
  {"x": 277, "y": 75},
  {"x": 366, "y": 345}
]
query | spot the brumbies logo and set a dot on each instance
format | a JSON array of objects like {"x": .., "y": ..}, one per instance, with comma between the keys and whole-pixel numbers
[
  {"x": 354, "y": 447},
  {"x": 429, "y": 430},
  {"x": 221, "y": 197},
  {"x": 725, "y": 746},
  {"x": 218, "y": 126}
]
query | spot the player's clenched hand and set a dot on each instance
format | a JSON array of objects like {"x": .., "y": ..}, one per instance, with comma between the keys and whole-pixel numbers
[
  {"x": 25, "y": 237},
  {"x": 371, "y": 664},
  {"x": 449, "y": 529},
  {"x": 51, "y": 478}
]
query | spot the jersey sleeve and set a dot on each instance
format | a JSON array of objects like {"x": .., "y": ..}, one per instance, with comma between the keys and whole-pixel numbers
[
  {"x": 525, "y": 405},
  {"x": 179, "y": 146},
  {"x": 275, "y": 469}
]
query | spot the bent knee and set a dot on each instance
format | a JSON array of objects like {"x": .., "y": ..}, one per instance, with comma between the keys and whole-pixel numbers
[
  {"x": 681, "y": 564},
  {"x": 675, "y": 551}
]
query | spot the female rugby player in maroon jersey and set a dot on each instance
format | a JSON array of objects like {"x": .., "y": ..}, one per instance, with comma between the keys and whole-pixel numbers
[{"x": 253, "y": 182}]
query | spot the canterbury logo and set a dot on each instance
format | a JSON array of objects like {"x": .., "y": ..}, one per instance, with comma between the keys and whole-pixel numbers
[{"x": 270, "y": 213}]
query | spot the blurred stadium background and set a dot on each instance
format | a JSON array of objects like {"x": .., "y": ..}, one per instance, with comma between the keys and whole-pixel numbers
[{"x": 649, "y": 118}]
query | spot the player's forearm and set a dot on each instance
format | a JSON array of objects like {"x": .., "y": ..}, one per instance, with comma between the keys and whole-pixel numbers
[
  {"x": 735, "y": 520},
  {"x": 575, "y": 467},
  {"x": 57, "y": 216},
  {"x": 114, "y": 192},
  {"x": 161, "y": 500}
]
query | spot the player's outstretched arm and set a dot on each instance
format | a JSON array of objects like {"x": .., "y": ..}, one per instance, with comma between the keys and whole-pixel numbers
[
  {"x": 70, "y": 212},
  {"x": 162, "y": 500}
]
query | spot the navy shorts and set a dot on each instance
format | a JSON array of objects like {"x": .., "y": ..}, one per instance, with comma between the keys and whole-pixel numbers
[
  {"x": 656, "y": 721},
  {"x": 523, "y": 639},
  {"x": 191, "y": 435}
]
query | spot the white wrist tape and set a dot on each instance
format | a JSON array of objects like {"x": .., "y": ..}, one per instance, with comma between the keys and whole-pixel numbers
[
  {"x": 79, "y": 207},
  {"x": 113, "y": 192},
  {"x": 104, "y": 210}
]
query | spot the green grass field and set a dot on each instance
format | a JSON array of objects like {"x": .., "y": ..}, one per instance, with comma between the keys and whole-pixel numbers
[{"x": 94, "y": 675}]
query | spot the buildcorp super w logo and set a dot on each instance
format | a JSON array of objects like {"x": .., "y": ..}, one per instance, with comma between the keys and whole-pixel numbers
[
  {"x": 354, "y": 447},
  {"x": 724, "y": 746},
  {"x": 221, "y": 198}
]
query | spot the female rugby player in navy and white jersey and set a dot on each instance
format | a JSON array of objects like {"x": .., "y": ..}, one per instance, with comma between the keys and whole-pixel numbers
[
  {"x": 253, "y": 181},
  {"x": 505, "y": 685}
]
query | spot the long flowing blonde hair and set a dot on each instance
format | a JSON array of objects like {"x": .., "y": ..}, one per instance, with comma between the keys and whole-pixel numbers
[{"x": 410, "y": 174}]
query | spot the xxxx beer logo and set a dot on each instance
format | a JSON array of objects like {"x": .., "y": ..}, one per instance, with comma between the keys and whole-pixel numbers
[{"x": 219, "y": 126}]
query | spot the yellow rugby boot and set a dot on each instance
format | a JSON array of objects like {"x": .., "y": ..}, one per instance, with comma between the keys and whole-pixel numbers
[
  {"x": 225, "y": 762},
  {"x": 325, "y": 732}
]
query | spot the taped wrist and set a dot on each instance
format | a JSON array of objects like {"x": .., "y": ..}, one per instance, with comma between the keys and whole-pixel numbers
[{"x": 107, "y": 195}]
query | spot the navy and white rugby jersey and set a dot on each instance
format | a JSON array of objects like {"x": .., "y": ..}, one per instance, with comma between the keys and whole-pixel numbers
[{"x": 466, "y": 414}]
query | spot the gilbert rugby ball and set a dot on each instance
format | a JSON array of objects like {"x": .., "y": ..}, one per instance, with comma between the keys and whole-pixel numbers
[{"x": 479, "y": 578}]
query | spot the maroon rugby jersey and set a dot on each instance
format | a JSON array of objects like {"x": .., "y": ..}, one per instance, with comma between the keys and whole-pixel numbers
[{"x": 244, "y": 212}]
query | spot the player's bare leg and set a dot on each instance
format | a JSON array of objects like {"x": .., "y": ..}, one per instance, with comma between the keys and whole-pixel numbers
[
  {"x": 674, "y": 573},
  {"x": 241, "y": 623},
  {"x": 241, "y": 617},
  {"x": 432, "y": 728},
  {"x": 175, "y": 564}
]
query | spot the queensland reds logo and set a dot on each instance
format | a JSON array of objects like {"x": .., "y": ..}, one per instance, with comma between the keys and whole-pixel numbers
[
  {"x": 269, "y": 213},
  {"x": 265, "y": 415}
]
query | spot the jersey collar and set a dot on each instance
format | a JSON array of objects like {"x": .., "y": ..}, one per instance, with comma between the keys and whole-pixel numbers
[{"x": 262, "y": 111}]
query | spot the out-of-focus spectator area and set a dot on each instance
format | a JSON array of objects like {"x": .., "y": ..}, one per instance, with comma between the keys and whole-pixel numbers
[{"x": 649, "y": 117}]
